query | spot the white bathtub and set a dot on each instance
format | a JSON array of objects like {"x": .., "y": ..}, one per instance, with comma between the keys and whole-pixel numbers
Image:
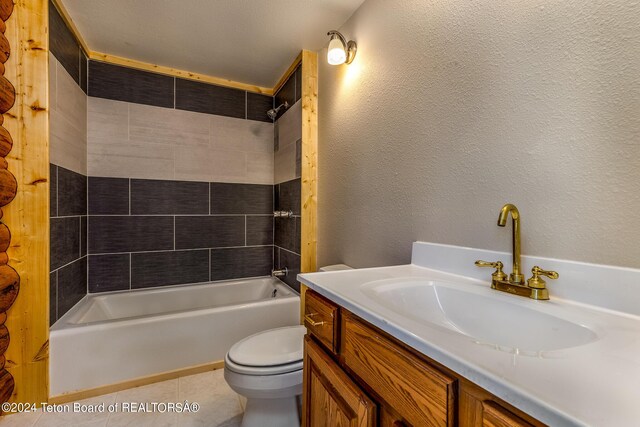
[{"x": 119, "y": 336}]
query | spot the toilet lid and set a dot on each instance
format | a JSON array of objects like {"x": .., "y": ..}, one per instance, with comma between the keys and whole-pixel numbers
[{"x": 270, "y": 348}]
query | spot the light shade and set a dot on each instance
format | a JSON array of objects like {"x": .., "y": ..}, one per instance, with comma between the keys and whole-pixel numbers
[
  {"x": 340, "y": 51},
  {"x": 336, "y": 54}
]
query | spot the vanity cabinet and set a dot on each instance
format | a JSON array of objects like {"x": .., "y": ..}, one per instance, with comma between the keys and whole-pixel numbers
[{"x": 358, "y": 375}]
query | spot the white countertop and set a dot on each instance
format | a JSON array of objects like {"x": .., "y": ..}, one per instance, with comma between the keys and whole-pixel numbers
[{"x": 595, "y": 384}]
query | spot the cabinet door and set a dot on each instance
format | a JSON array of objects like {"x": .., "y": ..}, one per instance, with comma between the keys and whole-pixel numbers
[
  {"x": 330, "y": 397},
  {"x": 493, "y": 415}
]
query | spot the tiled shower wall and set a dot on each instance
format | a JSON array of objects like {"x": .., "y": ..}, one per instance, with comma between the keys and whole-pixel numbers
[
  {"x": 145, "y": 233},
  {"x": 180, "y": 178},
  {"x": 287, "y": 165},
  {"x": 181, "y": 181},
  {"x": 68, "y": 180}
]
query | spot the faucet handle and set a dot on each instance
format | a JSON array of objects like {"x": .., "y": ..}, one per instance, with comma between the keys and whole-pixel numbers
[
  {"x": 536, "y": 282},
  {"x": 498, "y": 274}
]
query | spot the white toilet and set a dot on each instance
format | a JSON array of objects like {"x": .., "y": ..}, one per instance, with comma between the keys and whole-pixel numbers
[{"x": 266, "y": 368}]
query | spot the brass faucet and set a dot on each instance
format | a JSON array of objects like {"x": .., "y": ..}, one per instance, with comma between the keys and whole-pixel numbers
[
  {"x": 535, "y": 287},
  {"x": 515, "y": 276}
]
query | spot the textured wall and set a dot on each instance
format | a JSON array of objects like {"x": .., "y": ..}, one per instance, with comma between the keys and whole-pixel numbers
[{"x": 453, "y": 108}]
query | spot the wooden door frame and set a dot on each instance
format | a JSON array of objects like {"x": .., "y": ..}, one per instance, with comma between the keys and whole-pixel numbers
[{"x": 27, "y": 216}]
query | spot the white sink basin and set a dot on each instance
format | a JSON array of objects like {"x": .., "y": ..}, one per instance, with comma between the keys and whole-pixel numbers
[{"x": 484, "y": 315}]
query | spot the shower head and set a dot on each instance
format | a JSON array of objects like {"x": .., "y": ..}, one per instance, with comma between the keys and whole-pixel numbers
[{"x": 273, "y": 113}]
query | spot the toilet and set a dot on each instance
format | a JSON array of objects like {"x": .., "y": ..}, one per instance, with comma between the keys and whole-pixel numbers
[{"x": 266, "y": 368}]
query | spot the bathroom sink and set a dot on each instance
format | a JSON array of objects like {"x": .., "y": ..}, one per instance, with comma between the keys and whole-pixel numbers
[{"x": 494, "y": 320}]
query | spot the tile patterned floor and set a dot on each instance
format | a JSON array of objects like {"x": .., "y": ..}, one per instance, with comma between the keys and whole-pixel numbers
[{"x": 219, "y": 406}]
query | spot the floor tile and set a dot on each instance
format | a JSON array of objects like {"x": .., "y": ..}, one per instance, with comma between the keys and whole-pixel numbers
[
  {"x": 219, "y": 406},
  {"x": 26, "y": 419}
]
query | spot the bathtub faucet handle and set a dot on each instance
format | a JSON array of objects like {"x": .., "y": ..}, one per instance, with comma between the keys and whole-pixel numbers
[{"x": 280, "y": 273}]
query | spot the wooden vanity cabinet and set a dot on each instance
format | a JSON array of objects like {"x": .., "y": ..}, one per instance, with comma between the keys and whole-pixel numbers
[
  {"x": 330, "y": 397},
  {"x": 358, "y": 375}
]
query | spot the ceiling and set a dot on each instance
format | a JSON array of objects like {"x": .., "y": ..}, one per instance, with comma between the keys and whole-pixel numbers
[{"x": 249, "y": 41}]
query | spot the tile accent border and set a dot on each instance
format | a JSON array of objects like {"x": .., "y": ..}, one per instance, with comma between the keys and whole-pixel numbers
[
  {"x": 119, "y": 83},
  {"x": 287, "y": 231},
  {"x": 68, "y": 236},
  {"x": 149, "y": 233}
]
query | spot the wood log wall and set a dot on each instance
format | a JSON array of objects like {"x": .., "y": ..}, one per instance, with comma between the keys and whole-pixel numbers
[{"x": 9, "y": 278}]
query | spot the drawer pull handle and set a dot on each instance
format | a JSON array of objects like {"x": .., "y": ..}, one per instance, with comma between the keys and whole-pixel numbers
[{"x": 312, "y": 322}]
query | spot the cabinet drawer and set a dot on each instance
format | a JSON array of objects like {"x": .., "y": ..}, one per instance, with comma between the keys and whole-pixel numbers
[
  {"x": 418, "y": 392},
  {"x": 493, "y": 415},
  {"x": 321, "y": 319}
]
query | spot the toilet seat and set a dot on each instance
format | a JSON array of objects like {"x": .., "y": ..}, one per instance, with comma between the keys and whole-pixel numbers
[
  {"x": 270, "y": 349},
  {"x": 262, "y": 370}
]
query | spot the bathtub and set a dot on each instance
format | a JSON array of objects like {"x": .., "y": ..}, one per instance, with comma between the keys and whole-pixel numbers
[{"x": 112, "y": 338}]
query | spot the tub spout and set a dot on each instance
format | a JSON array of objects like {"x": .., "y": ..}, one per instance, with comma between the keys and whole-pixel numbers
[{"x": 279, "y": 273}]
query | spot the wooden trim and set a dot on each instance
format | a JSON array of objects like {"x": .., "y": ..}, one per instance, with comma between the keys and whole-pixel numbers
[
  {"x": 309, "y": 179},
  {"x": 309, "y": 175},
  {"x": 161, "y": 69},
  {"x": 288, "y": 73},
  {"x": 27, "y": 217},
  {"x": 71, "y": 25},
  {"x": 136, "y": 382}
]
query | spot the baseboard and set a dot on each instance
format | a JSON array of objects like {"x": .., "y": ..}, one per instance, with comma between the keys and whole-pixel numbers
[{"x": 136, "y": 382}]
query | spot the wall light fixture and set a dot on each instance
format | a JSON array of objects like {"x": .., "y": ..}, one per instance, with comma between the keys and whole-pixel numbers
[{"x": 340, "y": 51}]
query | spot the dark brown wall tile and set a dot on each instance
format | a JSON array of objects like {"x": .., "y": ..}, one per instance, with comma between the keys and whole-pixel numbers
[
  {"x": 287, "y": 234},
  {"x": 257, "y": 107},
  {"x": 108, "y": 196},
  {"x": 259, "y": 230},
  {"x": 63, "y": 44},
  {"x": 53, "y": 297},
  {"x": 154, "y": 197},
  {"x": 193, "y": 232},
  {"x": 53, "y": 190},
  {"x": 286, "y": 93},
  {"x": 109, "y": 272},
  {"x": 127, "y": 84},
  {"x": 289, "y": 196},
  {"x": 169, "y": 268},
  {"x": 84, "y": 72},
  {"x": 72, "y": 285},
  {"x": 298, "y": 75},
  {"x": 241, "y": 198},
  {"x": 233, "y": 263},
  {"x": 83, "y": 235},
  {"x": 109, "y": 234},
  {"x": 65, "y": 241},
  {"x": 292, "y": 262},
  {"x": 211, "y": 99},
  {"x": 72, "y": 193}
]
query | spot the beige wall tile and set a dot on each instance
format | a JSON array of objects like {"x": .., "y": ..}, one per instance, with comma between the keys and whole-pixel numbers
[
  {"x": 128, "y": 159},
  {"x": 53, "y": 66},
  {"x": 285, "y": 164},
  {"x": 157, "y": 124},
  {"x": 139, "y": 141},
  {"x": 228, "y": 166},
  {"x": 290, "y": 126},
  {"x": 71, "y": 101},
  {"x": 229, "y": 133},
  {"x": 68, "y": 120},
  {"x": 259, "y": 137},
  {"x": 107, "y": 119},
  {"x": 68, "y": 144},
  {"x": 193, "y": 164},
  {"x": 260, "y": 168}
]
